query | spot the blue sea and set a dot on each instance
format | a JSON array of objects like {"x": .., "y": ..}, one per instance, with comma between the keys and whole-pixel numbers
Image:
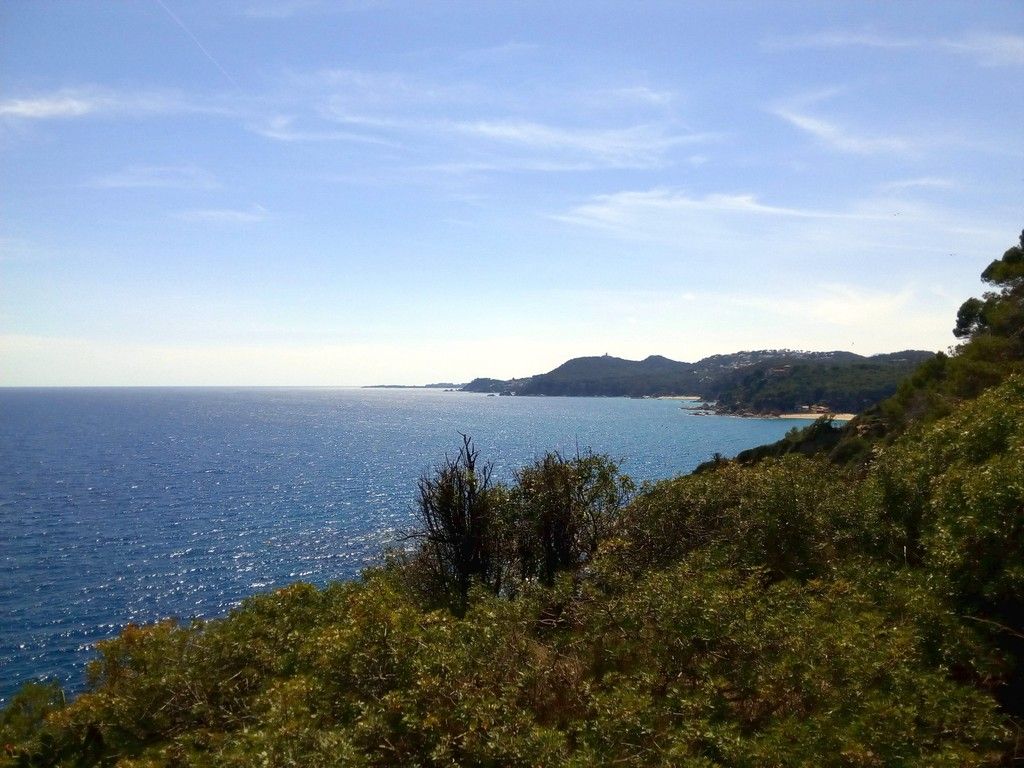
[{"x": 129, "y": 505}]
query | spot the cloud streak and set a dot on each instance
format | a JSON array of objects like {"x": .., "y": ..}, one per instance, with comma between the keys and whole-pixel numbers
[
  {"x": 279, "y": 10},
  {"x": 862, "y": 241},
  {"x": 989, "y": 50},
  {"x": 283, "y": 128},
  {"x": 50, "y": 107},
  {"x": 446, "y": 124},
  {"x": 640, "y": 145},
  {"x": 255, "y": 214},
  {"x": 922, "y": 182},
  {"x": 90, "y": 101},
  {"x": 842, "y": 139},
  {"x": 624, "y": 210},
  {"x": 157, "y": 177}
]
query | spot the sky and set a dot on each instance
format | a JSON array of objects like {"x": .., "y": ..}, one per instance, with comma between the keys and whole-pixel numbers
[{"x": 366, "y": 191}]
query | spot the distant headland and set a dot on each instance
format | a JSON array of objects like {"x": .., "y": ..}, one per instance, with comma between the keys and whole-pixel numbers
[{"x": 754, "y": 383}]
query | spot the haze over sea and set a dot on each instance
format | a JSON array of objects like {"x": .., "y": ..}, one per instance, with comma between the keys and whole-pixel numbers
[{"x": 129, "y": 505}]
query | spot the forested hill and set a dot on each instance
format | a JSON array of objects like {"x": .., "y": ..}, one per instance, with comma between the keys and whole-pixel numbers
[
  {"x": 762, "y": 380},
  {"x": 845, "y": 386}
]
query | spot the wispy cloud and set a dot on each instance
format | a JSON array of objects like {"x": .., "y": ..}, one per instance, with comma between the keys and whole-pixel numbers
[
  {"x": 346, "y": 89},
  {"x": 497, "y": 54},
  {"x": 283, "y": 128},
  {"x": 923, "y": 182},
  {"x": 635, "y": 146},
  {"x": 157, "y": 176},
  {"x": 990, "y": 50},
  {"x": 799, "y": 111},
  {"x": 281, "y": 9},
  {"x": 865, "y": 241},
  {"x": 629, "y": 126},
  {"x": 628, "y": 210},
  {"x": 52, "y": 106},
  {"x": 251, "y": 215},
  {"x": 88, "y": 101},
  {"x": 837, "y": 137},
  {"x": 641, "y": 94},
  {"x": 640, "y": 145},
  {"x": 275, "y": 10},
  {"x": 454, "y": 123},
  {"x": 506, "y": 165}
]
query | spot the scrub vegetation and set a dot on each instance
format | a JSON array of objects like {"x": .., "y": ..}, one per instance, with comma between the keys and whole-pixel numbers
[{"x": 856, "y": 604}]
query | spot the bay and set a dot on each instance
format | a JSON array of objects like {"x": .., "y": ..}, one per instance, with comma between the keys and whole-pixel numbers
[{"x": 129, "y": 505}]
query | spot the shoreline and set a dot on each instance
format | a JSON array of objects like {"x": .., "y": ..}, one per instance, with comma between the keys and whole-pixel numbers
[
  {"x": 843, "y": 417},
  {"x": 815, "y": 416}
]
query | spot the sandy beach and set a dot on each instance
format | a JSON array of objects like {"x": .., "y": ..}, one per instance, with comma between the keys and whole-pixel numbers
[{"x": 835, "y": 416}]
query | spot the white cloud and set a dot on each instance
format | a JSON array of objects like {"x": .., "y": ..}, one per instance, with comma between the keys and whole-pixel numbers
[
  {"x": 923, "y": 182},
  {"x": 634, "y": 209},
  {"x": 636, "y": 145},
  {"x": 991, "y": 50},
  {"x": 458, "y": 121},
  {"x": 254, "y": 214},
  {"x": 835, "y": 136},
  {"x": 282, "y": 128},
  {"x": 496, "y": 54},
  {"x": 50, "y": 107},
  {"x": 276, "y": 10},
  {"x": 351, "y": 90},
  {"x": 764, "y": 246},
  {"x": 157, "y": 176},
  {"x": 505, "y": 165},
  {"x": 87, "y": 101},
  {"x": 281, "y": 9},
  {"x": 644, "y": 95},
  {"x": 843, "y": 39}
]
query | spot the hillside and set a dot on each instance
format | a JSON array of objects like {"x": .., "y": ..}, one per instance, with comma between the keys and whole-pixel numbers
[
  {"x": 744, "y": 617},
  {"x": 847, "y": 385},
  {"x": 796, "y": 612},
  {"x": 762, "y": 381}
]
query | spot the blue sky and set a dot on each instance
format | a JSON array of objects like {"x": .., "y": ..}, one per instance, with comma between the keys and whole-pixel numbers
[{"x": 333, "y": 193}]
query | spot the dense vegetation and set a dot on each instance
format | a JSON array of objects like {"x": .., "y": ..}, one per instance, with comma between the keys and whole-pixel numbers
[
  {"x": 849, "y": 387},
  {"x": 795, "y": 612},
  {"x": 763, "y": 381}
]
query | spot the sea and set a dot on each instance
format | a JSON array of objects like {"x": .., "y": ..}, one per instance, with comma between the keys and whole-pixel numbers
[{"x": 125, "y": 505}]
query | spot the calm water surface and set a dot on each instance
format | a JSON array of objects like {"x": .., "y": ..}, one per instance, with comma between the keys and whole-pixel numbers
[{"x": 128, "y": 505}]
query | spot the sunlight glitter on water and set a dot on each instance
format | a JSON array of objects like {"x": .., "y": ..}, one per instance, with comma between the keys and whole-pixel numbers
[{"x": 127, "y": 505}]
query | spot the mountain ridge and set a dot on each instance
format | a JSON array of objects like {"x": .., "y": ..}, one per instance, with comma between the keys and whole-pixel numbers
[{"x": 748, "y": 379}]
